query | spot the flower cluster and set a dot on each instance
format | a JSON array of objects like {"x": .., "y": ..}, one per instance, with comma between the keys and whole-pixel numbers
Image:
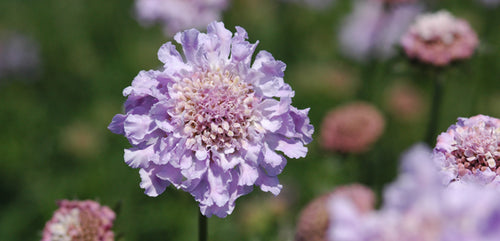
[
  {"x": 439, "y": 38},
  {"x": 418, "y": 207},
  {"x": 211, "y": 123},
  {"x": 176, "y": 15},
  {"x": 351, "y": 128},
  {"x": 80, "y": 221},
  {"x": 470, "y": 150},
  {"x": 372, "y": 29}
]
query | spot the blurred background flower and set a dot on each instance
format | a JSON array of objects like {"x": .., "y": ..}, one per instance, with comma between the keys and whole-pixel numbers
[
  {"x": 418, "y": 207},
  {"x": 353, "y": 127},
  {"x": 405, "y": 102},
  {"x": 439, "y": 38},
  {"x": 177, "y": 15},
  {"x": 372, "y": 29},
  {"x": 19, "y": 56},
  {"x": 80, "y": 220},
  {"x": 314, "y": 219}
]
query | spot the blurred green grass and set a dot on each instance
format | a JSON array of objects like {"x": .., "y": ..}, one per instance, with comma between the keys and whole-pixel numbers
[{"x": 54, "y": 143}]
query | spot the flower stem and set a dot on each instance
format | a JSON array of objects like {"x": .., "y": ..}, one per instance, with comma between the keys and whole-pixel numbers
[
  {"x": 202, "y": 227},
  {"x": 435, "y": 109}
]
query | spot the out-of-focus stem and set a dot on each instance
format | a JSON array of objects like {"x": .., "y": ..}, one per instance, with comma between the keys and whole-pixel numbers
[
  {"x": 202, "y": 227},
  {"x": 435, "y": 109}
]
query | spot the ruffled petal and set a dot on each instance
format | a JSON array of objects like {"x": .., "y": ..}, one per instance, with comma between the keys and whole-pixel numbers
[
  {"x": 140, "y": 156},
  {"x": 151, "y": 183},
  {"x": 116, "y": 125},
  {"x": 136, "y": 127}
]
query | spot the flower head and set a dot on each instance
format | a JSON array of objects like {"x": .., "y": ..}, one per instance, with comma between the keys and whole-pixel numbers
[
  {"x": 212, "y": 123},
  {"x": 80, "y": 220},
  {"x": 470, "y": 150},
  {"x": 351, "y": 128},
  {"x": 314, "y": 218},
  {"x": 439, "y": 38},
  {"x": 176, "y": 15},
  {"x": 372, "y": 30}
]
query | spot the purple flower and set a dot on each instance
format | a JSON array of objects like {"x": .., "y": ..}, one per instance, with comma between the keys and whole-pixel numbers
[
  {"x": 210, "y": 122},
  {"x": 469, "y": 151},
  {"x": 19, "y": 55},
  {"x": 372, "y": 30},
  {"x": 80, "y": 220},
  {"x": 417, "y": 207},
  {"x": 176, "y": 15}
]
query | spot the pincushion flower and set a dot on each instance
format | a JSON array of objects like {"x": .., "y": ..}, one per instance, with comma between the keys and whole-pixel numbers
[
  {"x": 212, "y": 123},
  {"x": 314, "y": 219},
  {"x": 79, "y": 221},
  {"x": 176, "y": 15},
  {"x": 351, "y": 128},
  {"x": 374, "y": 27},
  {"x": 418, "y": 207},
  {"x": 469, "y": 151},
  {"x": 439, "y": 38}
]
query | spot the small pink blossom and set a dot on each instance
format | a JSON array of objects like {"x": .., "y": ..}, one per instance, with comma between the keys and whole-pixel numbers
[
  {"x": 439, "y": 38},
  {"x": 351, "y": 128},
  {"x": 79, "y": 221}
]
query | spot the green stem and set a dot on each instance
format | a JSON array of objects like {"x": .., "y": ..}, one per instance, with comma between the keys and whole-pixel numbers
[
  {"x": 202, "y": 227},
  {"x": 435, "y": 109}
]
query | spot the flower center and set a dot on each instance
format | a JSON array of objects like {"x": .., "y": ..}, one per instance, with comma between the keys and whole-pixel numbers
[
  {"x": 66, "y": 226},
  {"x": 440, "y": 27},
  {"x": 478, "y": 148},
  {"x": 216, "y": 109}
]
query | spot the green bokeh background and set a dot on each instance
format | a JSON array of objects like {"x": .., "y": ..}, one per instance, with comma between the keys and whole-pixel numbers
[{"x": 54, "y": 142}]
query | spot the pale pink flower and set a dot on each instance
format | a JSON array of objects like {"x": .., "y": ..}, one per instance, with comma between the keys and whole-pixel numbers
[
  {"x": 351, "y": 128},
  {"x": 439, "y": 38},
  {"x": 80, "y": 221}
]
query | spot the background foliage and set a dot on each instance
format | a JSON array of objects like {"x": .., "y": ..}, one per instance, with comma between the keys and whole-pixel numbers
[{"x": 54, "y": 143}]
